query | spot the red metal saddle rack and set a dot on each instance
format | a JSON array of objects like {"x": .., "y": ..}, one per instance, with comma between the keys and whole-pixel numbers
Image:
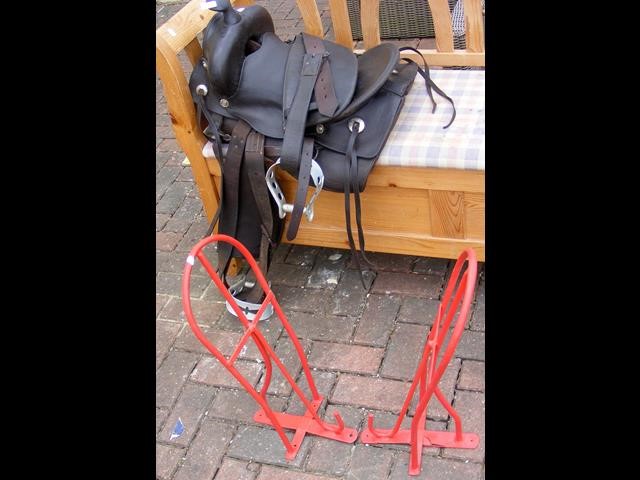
[
  {"x": 430, "y": 371},
  {"x": 310, "y": 422}
]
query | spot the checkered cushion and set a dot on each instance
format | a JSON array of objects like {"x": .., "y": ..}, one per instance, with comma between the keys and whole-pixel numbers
[{"x": 418, "y": 139}]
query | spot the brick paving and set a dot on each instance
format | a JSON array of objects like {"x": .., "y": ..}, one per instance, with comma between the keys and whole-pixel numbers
[{"x": 363, "y": 345}]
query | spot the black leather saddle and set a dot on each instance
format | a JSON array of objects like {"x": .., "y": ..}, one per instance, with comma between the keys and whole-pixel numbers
[{"x": 309, "y": 106}]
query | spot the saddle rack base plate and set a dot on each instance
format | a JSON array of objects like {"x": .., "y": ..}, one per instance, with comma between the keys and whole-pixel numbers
[
  {"x": 430, "y": 438},
  {"x": 303, "y": 424}
]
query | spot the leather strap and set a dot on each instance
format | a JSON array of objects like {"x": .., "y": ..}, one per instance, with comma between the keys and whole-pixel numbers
[
  {"x": 231, "y": 174},
  {"x": 254, "y": 159},
  {"x": 430, "y": 84},
  {"x": 351, "y": 182},
  {"x": 217, "y": 145},
  {"x": 303, "y": 184},
  {"x": 325, "y": 94},
  {"x": 297, "y": 118},
  {"x": 292, "y": 158}
]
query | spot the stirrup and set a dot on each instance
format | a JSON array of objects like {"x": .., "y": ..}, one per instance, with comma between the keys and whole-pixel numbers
[
  {"x": 249, "y": 309},
  {"x": 317, "y": 176}
]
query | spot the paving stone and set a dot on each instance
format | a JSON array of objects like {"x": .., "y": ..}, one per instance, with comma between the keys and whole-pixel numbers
[
  {"x": 353, "y": 417},
  {"x": 328, "y": 268},
  {"x": 321, "y": 327},
  {"x": 422, "y": 311},
  {"x": 190, "y": 408},
  {"x": 186, "y": 175},
  {"x": 211, "y": 372},
  {"x": 164, "y": 179},
  {"x": 263, "y": 445},
  {"x": 232, "y": 469},
  {"x": 404, "y": 351},
  {"x": 280, "y": 253},
  {"x": 388, "y": 262},
  {"x": 163, "y": 121},
  {"x": 164, "y": 131},
  {"x": 324, "y": 383},
  {"x": 170, "y": 283},
  {"x": 161, "y": 416},
  {"x": 174, "y": 262},
  {"x": 302, "y": 255},
  {"x": 437, "y": 469},
  {"x": 223, "y": 340},
  {"x": 302, "y": 299},
  {"x": 171, "y": 376},
  {"x": 239, "y": 406},
  {"x": 291, "y": 275},
  {"x": 349, "y": 296},
  {"x": 274, "y": 473},
  {"x": 346, "y": 358},
  {"x": 471, "y": 346},
  {"x": 168, "y": 144},
  {"x": 205, "y": 312},
  {"x": 477, "y": 317},
  {"x": 205, "y": 452},
  {"x": 377, "y": 320},
  {"x": 285, "y": 350},
  {"x": 472, "y": 376},
  {"x": 470, "y": 407},
  {"x": 166, "y": 333},
  {"x": 329, "y": 457},
  {"x": 370, "y": 392},
  {"x": 195, "y": 233},
  {"x": 412, "y": 284},
  {"x": 161, "y": 301},
  {"x": 178, "y": 226},
  {"x": 431, "y": 266},
  {"x": 167, "y": 241},
  {"x": 161, "y": 220},
  {"x": 173, "y": 197},
  {"x": 369, "y": 462},
  {"x": 168, "y": 159},
  {"x": 167, "y": 459}
]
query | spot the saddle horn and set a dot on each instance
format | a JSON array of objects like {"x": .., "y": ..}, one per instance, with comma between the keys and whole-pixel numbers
[
  {"x": 230, "y": 15},
  {"x": 224, "y": 43}
]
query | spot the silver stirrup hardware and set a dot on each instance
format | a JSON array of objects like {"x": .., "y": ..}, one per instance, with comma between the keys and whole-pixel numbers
[
  {"x": 249, "y": 309},
  {"x": 276, "y": 192}
]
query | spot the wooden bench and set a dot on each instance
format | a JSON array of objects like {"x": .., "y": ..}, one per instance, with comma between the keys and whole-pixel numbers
[{"x": 422, "y": 210}]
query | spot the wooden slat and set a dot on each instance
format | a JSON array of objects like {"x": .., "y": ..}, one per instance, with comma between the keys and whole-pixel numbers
[
  {"x": 183, "y": 27},
  {"x": 378, "y": 206},
  {"x": 442, "y": 25},
  {"x": 444, "y": 59},
  {"x": 370, "y": 19},
  {"x": 474, "y": 25},
  {"x": 388, "y": 242},
  {"x": 311, "y": 17},
  {"x": 408, "y": 177},
  {"x": 193, "y": 51},
  {"x": 427, "y": 178},
  {"x": 183, "y": 119},
  {"x": 474, "y": 215},
  {"x": 447, "y": 214},
  {"x": 341, "y": 25}
]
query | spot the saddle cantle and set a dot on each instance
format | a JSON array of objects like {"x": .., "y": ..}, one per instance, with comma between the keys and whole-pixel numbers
[{"x": 309, "y": 106}]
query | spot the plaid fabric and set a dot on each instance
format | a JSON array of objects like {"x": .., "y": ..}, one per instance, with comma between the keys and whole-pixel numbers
[{"x": 418, "y": 139}]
